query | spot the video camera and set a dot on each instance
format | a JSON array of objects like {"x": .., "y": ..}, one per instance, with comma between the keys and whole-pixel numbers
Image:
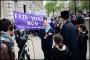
[{"x": 21, "y": 38}]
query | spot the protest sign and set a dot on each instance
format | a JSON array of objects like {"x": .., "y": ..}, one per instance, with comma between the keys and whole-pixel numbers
[{"x": 28, "y": 21}]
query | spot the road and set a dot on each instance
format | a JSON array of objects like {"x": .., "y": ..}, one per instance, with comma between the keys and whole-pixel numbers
[
  {"x": 35, "y": 51},
  {"x": 34, "y": 44}
]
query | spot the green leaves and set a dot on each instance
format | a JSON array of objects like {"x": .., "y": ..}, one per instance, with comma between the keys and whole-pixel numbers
[
  {"x": 52, "y": 6},
  {"x": 72, "y": 5},
  {"x": 60, "y": 5},
  {"x": 85, "y": 5}
]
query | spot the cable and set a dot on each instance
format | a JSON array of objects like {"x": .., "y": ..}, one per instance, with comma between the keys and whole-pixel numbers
[{"x": 28, "y": 45}]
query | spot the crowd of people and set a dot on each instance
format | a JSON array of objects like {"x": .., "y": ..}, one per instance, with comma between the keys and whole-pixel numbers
[{"x": 65, "y": 39}]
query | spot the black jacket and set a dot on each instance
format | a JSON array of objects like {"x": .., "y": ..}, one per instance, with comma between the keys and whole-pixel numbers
[
  {"x": 69, "y": 33},
  {"x": 82, "y": 42},
  {"x": 56, "y": 54},
  {"x": 48, "y": 41}
]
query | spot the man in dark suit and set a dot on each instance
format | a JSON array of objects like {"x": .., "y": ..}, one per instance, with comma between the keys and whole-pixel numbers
[
  {"x": 46, "y": 35},
  {"x": 69, "y": 33}
]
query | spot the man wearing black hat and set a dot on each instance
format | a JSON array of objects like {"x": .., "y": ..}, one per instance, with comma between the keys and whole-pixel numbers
[{"x": 69, "y": 33}]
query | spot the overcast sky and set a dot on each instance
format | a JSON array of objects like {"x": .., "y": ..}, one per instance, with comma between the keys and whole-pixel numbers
[{"x": 44, "y": 2}]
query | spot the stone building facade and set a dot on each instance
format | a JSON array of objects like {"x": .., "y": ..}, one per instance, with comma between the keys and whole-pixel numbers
[{"x": 7, "y": 7}]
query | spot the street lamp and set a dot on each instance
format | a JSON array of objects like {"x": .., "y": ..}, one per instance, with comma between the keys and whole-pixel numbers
[{"x": 76, "y": 5}]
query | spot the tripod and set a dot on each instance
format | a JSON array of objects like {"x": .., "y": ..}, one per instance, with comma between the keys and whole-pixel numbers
[{"x": 23, "y": 53}]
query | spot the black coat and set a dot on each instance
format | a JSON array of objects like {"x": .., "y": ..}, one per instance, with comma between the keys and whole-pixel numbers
[
  {"x": 69, "y": 33},
  {"x": 56, "y": 54},
  {"x": 82, "y": 42},
  {"x": 48, "y": 41}
]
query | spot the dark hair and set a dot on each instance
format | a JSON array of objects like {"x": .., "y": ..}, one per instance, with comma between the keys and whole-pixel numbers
[
  {"x": 83, "y": 27},
  {"x": 58, "y": 38},
  {"x": 5, "y": 25},
  {"x": 45, "y": 18}
]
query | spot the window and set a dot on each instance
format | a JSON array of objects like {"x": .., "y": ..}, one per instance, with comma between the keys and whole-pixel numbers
[
  {"x": 24, "y": 8},
  {"x": 15, "y": 0}
]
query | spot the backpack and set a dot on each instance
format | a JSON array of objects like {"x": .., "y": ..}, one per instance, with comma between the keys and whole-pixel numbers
[
  {"x": 10, "y": 49},
  {"x": 7, "y": 43}
]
